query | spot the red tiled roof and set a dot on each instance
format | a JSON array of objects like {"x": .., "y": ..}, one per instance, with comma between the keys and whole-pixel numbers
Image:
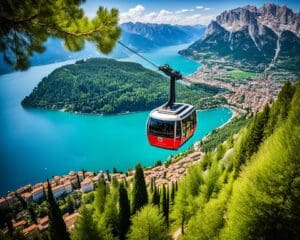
[
  {"x": 19, "y": 224},
  {"x": 29, "y": 229}
]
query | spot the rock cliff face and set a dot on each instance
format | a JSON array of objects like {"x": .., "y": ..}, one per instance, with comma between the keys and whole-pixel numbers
[
  {"x": 162, "y": 34},
  {"x": 252, "y": 38}
]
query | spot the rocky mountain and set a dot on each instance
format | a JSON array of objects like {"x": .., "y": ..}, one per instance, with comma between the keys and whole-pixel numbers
[
  {"x": 157, "y": 35},
  {"x": 140, "y": 36},
  {"x": 252, "y": 38}
]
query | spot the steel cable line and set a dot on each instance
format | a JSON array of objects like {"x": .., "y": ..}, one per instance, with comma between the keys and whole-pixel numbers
[
  {"x": 136, "y": 53},
  {"x": 148, "y": 60}
]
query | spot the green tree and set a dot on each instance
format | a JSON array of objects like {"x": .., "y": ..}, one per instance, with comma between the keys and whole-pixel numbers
[
  {"x": 100, "y": 195},
  {"x": 210, "y": 219},
  {"x": 165, "y": 203},
  {"x": 70, "y": 204},
  {"x": 78, "y": 180},
  {"x": 155, "y": 196},
  {"x": 57, "y": 226},
  {"x": 32, "y": 213},
  {"x": 172, "y": 192},
  {"x": 110, "y": 215},
  {"x": 182, "y": 208},
  {"x": 85, "y": 227},
  {"x": 139, "y": 192},
  {"x": 26, "y": 25},
  {"x": 280, "y": 108},
  {"x": 148, "y": 224},
  {"x": 124, "y": 212},
  {"x": 265, "y": 199},
  {"x": 252, "y": 138}
]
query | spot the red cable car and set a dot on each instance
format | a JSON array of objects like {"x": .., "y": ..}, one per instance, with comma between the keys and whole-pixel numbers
[{"x": 172, "y": 124}]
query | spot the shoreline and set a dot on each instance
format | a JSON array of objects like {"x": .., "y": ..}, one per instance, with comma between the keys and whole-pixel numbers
[
  {"x": 112, "y": 114},
  {"x": 153, "y": 165}
]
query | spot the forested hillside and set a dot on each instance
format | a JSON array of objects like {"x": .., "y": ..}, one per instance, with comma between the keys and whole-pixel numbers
[
  {"x": 248, "y": 188},
  {"x": 107, "y": 86}
]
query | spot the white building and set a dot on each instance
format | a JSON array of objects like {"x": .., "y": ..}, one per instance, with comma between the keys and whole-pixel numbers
[
  {"x": 87, "y": 185},
  {"x": 38, "y": 193},
  {"x": 58, "y": 191},
  {"x": 68, "y": 187}
]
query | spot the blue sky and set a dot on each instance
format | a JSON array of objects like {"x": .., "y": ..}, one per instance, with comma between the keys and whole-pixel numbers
[{"x": 175, "y": 11}]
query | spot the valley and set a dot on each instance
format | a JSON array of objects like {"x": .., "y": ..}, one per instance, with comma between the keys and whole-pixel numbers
[
  {"x": 265, "y": 39},
  {"x": 76, "y": 159}
]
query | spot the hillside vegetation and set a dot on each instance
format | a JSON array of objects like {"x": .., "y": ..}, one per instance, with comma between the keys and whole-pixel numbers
[
  {"x": 247, "y": 188},
  {"x": 107, "y": 86}
]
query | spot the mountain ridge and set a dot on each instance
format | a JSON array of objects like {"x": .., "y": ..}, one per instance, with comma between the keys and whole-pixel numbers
[
  {"x": 140, "y": 36},
  {"x": 252, "y": 38}
]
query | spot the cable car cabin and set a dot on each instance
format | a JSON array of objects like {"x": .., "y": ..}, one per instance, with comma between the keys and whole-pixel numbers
[{"x": 171, "y": 127}]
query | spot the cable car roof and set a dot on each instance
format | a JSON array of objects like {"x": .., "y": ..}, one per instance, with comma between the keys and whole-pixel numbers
[{"x": 178, "y": 112}]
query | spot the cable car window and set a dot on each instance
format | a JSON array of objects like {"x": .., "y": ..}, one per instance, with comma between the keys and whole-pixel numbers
[
  {"x": 187, "y": 125},
  {"x": 161, "y": 128},
  {"x": 194, "y": 119},
  {"x": 178, "y": 129}
]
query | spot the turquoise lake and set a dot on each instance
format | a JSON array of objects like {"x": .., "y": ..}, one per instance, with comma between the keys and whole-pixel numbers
[{"x": 36, "y": 144}]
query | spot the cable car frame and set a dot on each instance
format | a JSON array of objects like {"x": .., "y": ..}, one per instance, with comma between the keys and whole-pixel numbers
[{"x": 172, "y": 124}]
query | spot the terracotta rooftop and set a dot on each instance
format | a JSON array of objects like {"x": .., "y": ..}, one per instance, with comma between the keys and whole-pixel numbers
[
  {"x": 29, "y": 229},
  {"x": 70, "y": 220},
  {"x": 19, "y": 224},
  {"x": 44, "y": 220}
]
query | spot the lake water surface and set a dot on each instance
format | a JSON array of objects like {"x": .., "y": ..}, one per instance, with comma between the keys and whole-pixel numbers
[{"x": 36, "y": 144}]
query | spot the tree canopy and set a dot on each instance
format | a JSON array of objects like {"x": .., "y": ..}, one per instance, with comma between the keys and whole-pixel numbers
[
  {"x": 148, "y": 224},
  {"x": 26, "y": 25}
]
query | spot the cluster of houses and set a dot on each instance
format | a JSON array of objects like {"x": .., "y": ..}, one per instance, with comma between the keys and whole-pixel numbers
[
  {"x": 42, "y": 224},
  {"x": 254, "y": 95},
  {"x": 166, "y": 175},
  {"x": 85, "y": 182},
  {"x": 251, "y": 95},
  {"x": 60, "y": 186}
]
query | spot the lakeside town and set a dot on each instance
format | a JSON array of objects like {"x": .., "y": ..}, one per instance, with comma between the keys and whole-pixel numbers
[
  {"x": 247, "y": 95},
  {"x": 81, "y": 182},
  {"x": 247, "y": 91}
]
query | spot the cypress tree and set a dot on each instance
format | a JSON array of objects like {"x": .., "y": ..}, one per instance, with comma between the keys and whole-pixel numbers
[
  {"x": 100, "y": 195},
  {"x": 44, "y": 193},
  {"x": 57, "y": 226},
  {"x": 108, "y": 176},
  {"x": 140, "y": 197},
  {"x": 155, "y": 196},
  {"x": 78, "y": 180},
  {"x": 124, "y": 212},
  {"x": 152, "y": 185},
  {"x": 165, "y": 204},
  {"x": 172, "y": 192}
]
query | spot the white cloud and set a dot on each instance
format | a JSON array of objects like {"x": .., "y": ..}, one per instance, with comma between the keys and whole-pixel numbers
[
  {"x": 184, "y": 11},
  {"x": 133, "y": 13},
  {"x": 199, "y": 7},
  {"x": 139, "y": 14},
  {"x": 207, "y": 8}
]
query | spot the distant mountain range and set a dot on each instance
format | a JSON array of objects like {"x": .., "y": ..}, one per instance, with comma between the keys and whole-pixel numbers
[
  {"x": 144, "y": 36},
  {"x": 140, "y": 36},
  {"x": 252, "y": 38}
]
